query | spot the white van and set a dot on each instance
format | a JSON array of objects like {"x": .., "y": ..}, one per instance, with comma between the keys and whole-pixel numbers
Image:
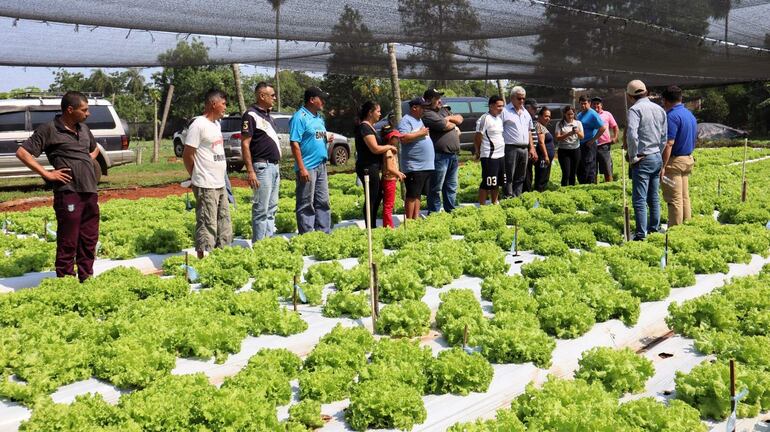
[{"x": 20, "y": 117}]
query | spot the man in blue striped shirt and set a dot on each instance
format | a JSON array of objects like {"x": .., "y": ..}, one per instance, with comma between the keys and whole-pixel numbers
[{"x": 645, "y": 138}]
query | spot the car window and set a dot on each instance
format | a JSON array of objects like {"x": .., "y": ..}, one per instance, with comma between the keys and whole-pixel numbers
[
  {"x": 479, "y": 107},
  {"x": 459, "y": 107},
  {"x": 39, "y": 117},
  {"x": 230, "y": 124},
  {"x": 12, "y": 121},
  {"x": 282, "y": 125},
  {"x": 100, "y": 118}
]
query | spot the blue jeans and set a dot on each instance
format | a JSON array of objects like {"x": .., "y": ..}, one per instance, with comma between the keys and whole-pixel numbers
[
  {"x": 645, "y": 177},
  {"x": 312, "y": 205},
  {"x": 264, "y": 202},
  {"x": 444, "y": 183}
]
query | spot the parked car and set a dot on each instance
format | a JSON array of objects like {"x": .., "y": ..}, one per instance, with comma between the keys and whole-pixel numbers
[
  {"x": 471, "y": 108},
  {"x": 718, "y": 131},
  {"x": 20, "y": 117},
  {"x": 339, "y": 149}
]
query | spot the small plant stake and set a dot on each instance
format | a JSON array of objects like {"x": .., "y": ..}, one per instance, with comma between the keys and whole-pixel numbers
[
  {"x": 465, "y": 338},
  {"x": 45, "y": 227},
  {"x": 734, "y": 399},
  {"x": 369, "y": 240},
  {"x": 744, "y": 184},
  {"x": 294, "y": 293},
  {"x": 187, "y": 204},
  {"x": 719, "y": 187},
  {"x": 515, "y": 243},
  {"x": 187, "y": 266},
  {"x": 376, "y": 310},
  {"x": 664, "y": 257},
  {"x": 624, "y": 174}
]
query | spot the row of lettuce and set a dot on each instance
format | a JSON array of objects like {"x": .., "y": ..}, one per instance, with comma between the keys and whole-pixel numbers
[
  {"x": 385, "y": 381},
  {"x": 153, "y": 225}
]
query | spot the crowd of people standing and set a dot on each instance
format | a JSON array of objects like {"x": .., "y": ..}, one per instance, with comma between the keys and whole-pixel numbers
[{"x": 511, "y": 142}]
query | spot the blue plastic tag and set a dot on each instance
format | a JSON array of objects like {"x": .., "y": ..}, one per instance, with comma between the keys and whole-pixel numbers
[
  {"x": 301, "y": 294},
  {"x": 192, "y": 274}
]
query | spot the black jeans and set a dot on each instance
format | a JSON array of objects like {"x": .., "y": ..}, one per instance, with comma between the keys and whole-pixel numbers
[
  {"x": 569, "y": 160},
  {"x": 375, "y": 190},
  {"x": 542, "y": 175},
  {"x": 515, "y": 167},
  {"x": 586, "y": 172}
]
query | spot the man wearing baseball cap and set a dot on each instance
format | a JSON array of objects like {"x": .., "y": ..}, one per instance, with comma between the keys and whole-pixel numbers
[
  {"x": 308, "y": 138},
  {"x": 417, "y": 156},
  {"x": 444, "y": 133},
  {"x": 646, "y": 136}
]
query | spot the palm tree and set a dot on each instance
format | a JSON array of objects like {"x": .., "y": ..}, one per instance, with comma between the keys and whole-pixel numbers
[{"x": 276, "y": 4}]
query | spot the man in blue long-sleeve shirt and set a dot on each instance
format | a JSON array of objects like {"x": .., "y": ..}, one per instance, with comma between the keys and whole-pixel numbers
[{"x": 645, "y": 138}]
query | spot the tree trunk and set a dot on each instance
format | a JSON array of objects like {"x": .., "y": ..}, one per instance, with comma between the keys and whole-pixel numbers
[
  {"x": 155, "y": 141},
  {"x": 277, "y": 57},
  {"x": 394, "y": 82},
  {"x": 166, "y": 108},
  {"x": 238, "y": 90},
  {"x": 500, "y": 89}
]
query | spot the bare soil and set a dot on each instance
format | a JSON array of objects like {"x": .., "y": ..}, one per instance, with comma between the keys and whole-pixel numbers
[{"x": 132, "y": 193}]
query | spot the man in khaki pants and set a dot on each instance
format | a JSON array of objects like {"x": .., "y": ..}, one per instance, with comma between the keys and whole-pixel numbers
[{"x": 677, "y": 156}]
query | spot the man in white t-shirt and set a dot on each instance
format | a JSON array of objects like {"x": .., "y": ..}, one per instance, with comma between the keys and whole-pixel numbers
[
  {"x": 204, "y": 159},
  {"x": 490, "y": 149}
]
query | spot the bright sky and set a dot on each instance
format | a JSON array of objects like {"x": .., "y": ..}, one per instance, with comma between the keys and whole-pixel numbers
[{"x": 12, "y": 77}]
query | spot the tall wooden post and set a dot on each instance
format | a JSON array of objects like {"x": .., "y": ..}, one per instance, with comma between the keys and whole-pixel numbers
[
  {"x": 166, "y": 108},
  {"x": 394, "y": 84},
  {"x": 238, "y": 90}
]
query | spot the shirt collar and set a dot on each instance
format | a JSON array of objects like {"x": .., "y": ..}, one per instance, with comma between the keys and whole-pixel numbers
[
  {"x": 310, "y": 112},
  {"x": 641, "y": 100},
  {"x": 59, "y": 123},
  {"x": 513, "y": 109},
  {"x": 260, "y": 109}
]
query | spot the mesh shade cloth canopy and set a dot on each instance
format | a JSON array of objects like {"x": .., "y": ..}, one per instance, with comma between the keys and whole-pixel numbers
[{"x": 577, "y": 43}]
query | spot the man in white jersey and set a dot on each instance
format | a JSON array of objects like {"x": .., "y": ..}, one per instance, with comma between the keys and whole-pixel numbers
[
  {"x": 490, "y": 149},
  {"x": 204, "y": 159}
]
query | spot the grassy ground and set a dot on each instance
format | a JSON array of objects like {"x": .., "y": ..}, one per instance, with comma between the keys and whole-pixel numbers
[{"x": 168, "y": 169}]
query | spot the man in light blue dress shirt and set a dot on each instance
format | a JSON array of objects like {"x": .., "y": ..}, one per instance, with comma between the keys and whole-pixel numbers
[{"x": 645, "y": 138}]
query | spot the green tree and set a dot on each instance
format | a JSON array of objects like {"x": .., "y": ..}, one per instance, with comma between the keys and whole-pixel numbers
[
  {"x": 187, "y": 68},
  {"x": 714, "y": 107},
  {"x": 435, "y": 22},
  {"x": 18, "y": 92},
  {"x": 69, "y": 81}
]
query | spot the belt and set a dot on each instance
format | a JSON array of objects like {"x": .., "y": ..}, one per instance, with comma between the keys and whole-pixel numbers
[
  {"x": 517, "y": 144},
  {"x": 275, "y": 162}
]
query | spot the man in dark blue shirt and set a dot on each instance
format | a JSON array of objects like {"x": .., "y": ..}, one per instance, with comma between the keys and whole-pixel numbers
[
  {"x": 593, "y": 129},
  {"x": 261, "y": 155},
  {"x": 677, "y": 156}
]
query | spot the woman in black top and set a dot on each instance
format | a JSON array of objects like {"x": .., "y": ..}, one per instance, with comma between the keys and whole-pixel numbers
[
  {"x": 369, "y": 151},
  {"x": 545, "y": 150}
]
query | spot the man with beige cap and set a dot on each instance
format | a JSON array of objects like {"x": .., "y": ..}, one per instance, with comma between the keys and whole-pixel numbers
[{"x": 646, "y": 136}]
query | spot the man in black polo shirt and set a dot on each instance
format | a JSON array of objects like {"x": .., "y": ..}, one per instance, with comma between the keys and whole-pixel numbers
[
  {"x": 261, "y": 155},
  {"x": 444, "y": 133},
  {"x": 71, "y": 149}
]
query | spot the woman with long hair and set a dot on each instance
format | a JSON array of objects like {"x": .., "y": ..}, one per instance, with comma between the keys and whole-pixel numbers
[
  {"x": 545, "y": 150},
  {"x": 569, "y": 132},
  {"x": 369, "y": 151}
]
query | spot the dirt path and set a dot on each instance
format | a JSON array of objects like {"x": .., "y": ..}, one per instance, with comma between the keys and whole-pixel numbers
[{"x": 25, "y": 204}]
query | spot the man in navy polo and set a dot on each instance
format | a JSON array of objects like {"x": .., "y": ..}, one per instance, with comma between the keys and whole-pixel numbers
[
  {"x": 308, "y": 138},
  {"x": 261, "y": 151},
  {"x": 593, "y": 129},
  {"x": 677, "y": 156}
]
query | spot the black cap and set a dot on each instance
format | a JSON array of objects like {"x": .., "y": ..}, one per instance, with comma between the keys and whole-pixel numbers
[
  {"x": 315, "y": 92},
  {"x": 530, "y": 102},
  {"x": 431, "y": 93},
  {"x": 596, "y": 99},
  {"x": 419, "y": 101}
]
